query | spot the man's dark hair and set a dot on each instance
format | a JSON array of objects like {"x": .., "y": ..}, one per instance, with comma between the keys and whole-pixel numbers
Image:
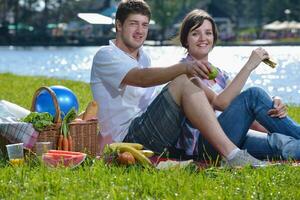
[{"x": 127, "y": 7}]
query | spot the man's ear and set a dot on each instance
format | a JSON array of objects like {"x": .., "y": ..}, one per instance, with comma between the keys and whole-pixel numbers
[{"x": 118, "y": 25}]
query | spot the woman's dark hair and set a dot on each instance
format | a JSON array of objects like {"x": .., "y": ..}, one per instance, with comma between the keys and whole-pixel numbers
[
  {"x": 127, "y": 7},
  {"x": 192, "y": 21}
]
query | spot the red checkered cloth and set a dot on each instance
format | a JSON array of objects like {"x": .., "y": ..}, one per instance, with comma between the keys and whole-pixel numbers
[{"x": 16, "y": 132}]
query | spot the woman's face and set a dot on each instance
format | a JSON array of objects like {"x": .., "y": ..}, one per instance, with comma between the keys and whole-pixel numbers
[{"x": 200, "y": 41}]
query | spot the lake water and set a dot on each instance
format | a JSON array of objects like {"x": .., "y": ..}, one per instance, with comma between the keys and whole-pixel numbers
[{"x": 74, "y": 63}]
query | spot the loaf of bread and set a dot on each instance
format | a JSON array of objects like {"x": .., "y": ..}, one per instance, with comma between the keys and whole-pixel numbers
[{"x": 90, "y": 111}]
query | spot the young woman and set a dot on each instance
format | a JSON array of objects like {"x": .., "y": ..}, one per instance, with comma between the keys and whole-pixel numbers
[{"x": 198, "y": 35}]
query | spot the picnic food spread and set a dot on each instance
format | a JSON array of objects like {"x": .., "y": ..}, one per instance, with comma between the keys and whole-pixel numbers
[
  {"x": 126, "y": 158},
  {"x": 16, "y": 162},
  {"x": 128, "y": 154},
  {"x": 213, "y": 72},
  {"x": 270, "y": 63},
  {"x": 39, "y": 120},
  {"x": 56, "y": 158},
  {"x": 44, "y": 123},
  {"x": 65, "y": 130},
  {"x": 90, "y": 111},
  {"x": 65, "y": 139}
]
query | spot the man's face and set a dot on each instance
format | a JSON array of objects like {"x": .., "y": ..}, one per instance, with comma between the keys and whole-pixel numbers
[{"x": 133, "y": 32}]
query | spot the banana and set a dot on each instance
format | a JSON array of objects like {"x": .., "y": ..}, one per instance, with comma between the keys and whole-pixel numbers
[
  {"x": 147, "y": 153},
  {"x": 136, "y": 154},
  {"x": 270, "y": 63},
  {"x": 121, "y": 144}
]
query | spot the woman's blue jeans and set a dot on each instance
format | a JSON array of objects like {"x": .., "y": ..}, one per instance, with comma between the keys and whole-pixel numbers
[
  {"x": 163, "y": 125},
  {"x": 283, "y": 139}
]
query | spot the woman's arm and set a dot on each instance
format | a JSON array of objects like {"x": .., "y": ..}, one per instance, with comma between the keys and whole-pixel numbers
[{"x": 222, "y": 100}]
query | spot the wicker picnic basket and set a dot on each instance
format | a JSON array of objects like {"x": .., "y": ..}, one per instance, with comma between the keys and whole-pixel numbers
[{"x": 84, "y": 134}]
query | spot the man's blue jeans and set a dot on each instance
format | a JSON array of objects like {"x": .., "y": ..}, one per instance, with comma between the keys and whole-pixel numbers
[{"x": 253, "y": 104}]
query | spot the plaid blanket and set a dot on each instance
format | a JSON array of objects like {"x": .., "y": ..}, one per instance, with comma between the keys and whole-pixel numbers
[{"x": 15, "y": 132}]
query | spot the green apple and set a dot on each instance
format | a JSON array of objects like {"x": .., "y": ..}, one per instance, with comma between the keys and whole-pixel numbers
[{"x": 213, "y": 73}]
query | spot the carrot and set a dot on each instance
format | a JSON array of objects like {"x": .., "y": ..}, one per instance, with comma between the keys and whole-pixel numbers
[
  {"x": 70, "y": 140},
  {"x": 65, "y": 128},
  {"x": 65, "y": 143},
  {"x": 60, "y": 142}
]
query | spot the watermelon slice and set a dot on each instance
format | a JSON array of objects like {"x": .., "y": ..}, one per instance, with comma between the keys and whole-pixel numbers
[
  {"x": 64, "y": 152},
  {"x": 69, "y": 159}
]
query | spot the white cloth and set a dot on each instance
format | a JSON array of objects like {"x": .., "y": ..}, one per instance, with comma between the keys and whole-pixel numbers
[
  {"x": 119, "y": 104},
  {"x": 8, "y": 109}
]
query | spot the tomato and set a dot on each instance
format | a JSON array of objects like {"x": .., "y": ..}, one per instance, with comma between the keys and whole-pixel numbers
[{"x": 126, "y": 158}]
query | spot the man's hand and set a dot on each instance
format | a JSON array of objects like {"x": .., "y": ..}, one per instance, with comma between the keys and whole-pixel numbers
[
  {"x": 197, "y": 69},
  {"x": 279, "y": 110}
]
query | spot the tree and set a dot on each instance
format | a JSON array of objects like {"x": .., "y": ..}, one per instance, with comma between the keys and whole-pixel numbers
[{"x": 166, "y": 12}]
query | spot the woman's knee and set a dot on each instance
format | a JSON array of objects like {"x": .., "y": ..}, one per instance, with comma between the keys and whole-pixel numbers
[
  {"x": 183, "y": 85},
  {"x": 175, "y": 88},
  {"x": 179, "y": 81},
  {"x": 183, "y": 81},
  {"x": 178, "y": 84},
  {"x": 255, "y": 92}
]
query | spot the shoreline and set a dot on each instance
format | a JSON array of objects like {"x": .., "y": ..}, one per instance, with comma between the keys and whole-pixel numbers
[
  {"x": 60, "y": 79},
  {"x": 156, "y": 43}
]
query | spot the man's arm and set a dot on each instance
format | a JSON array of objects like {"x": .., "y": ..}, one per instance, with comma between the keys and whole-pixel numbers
[{"x": 147, "y": 77}]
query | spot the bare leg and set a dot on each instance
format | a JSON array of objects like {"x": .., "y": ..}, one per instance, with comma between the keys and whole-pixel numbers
[
  {"x": 200, "y": 113},
  {"x": 102, "y": 141}
]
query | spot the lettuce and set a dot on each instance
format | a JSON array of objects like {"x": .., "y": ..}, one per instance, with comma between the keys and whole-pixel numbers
[{"x": 39, "y": 120}]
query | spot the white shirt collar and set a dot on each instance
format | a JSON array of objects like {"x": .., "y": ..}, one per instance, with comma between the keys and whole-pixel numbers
[{"x": 140, "y": 53}]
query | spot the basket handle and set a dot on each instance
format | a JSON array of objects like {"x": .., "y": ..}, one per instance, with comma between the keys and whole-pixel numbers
[{"x": 57, "y": 117}]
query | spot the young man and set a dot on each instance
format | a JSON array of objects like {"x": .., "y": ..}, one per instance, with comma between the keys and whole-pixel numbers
[{"x": 123, "y": 84}]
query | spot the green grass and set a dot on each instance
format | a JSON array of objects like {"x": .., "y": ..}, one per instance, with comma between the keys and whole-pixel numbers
[
  {"x": 95, "y": 180},
  {"x": 20, "y": 89},
  {"x": 107, "y": 182}
]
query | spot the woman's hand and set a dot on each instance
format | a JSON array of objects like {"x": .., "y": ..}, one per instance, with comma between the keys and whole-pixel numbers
[
  {"x": 256, "y": 57},
  {"x": 279, "y": 110},
  {"x": 197, "y": 69}
]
